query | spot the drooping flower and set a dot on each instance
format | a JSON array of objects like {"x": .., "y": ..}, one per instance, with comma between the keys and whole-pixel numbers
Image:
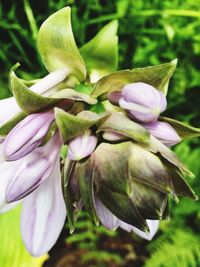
[
  {"x": 164, "y": 132},
  {"x": 115, "y": 168}
]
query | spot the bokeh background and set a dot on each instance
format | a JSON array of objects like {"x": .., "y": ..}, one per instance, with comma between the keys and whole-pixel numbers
[{"x": 150, "y": 32}]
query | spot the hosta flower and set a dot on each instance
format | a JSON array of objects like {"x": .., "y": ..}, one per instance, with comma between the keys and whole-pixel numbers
[
  {"x": 114, "y": 162},
  {"x": 164, "y": 132},
  {"x": 142, "y": 101}
]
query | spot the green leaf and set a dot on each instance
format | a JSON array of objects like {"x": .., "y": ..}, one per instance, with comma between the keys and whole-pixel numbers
[
  {"x": 12, "y": 249},
  {"x": 71, "y": 126},
  {"x": 120, "y": 123},
  {"x": 122, "y": 207},
  {"x": 67, "y": 173},
  {"x": 183, "y": 130},
  {"x": 150, "y": 202},
  {"x": 157, "y": 76},
  {"x": 7, "y": 127},
  {"x": 74, "y": 95},
  {"x": 57, "y": 46},
  {"x": 27, "y": 100},
  {"x": 101, "y": 53},
  {"x": 84, "y": 175},
  {"x": 156, "y": 146},
  {"x": 31, "y": 102}
]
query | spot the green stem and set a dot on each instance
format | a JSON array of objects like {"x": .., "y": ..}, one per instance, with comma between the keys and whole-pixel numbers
[{"x": 31, "y": 19}]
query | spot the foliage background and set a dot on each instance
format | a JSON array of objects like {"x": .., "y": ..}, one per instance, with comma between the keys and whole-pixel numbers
[{"x": 150, "y": 32}]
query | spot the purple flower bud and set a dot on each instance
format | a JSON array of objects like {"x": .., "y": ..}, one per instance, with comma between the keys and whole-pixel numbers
[
  {"x": 164, "y": 132},
  {"x": 82, "y": 146},
  {"x": 34, "y": 169},
  {"x": 27, "y": 135},
  {"x": 143, "y": 102}
]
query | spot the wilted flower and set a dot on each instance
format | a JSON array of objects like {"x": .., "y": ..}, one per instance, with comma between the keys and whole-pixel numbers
[{"x": 164, "y": 132}]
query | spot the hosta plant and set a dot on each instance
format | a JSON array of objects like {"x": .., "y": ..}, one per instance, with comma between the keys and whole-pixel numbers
[{"x": 89, "y": 137}]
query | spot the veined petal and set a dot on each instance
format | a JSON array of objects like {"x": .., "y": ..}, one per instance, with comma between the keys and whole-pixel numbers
[
  {"x": 107, "y": 218},
  {"x": 153, "y": 227},
  {"x": 43, "y": 215},
  {"x": 82, "y": 146},
  {"x": 27, "y": 135},
  {"x": 34, "y": 169}
]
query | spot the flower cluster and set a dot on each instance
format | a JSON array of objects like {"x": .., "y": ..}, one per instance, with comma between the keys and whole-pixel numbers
[{"x": 89, "y": 137}]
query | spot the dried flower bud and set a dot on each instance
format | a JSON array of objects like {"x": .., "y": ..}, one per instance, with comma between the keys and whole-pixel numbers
[{"x": 143, "y": 102}]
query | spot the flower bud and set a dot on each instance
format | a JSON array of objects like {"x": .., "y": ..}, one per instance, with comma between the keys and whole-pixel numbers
[
  {"x": 143, "y": 102},
  {"x": 164, "y": 132},
  {"x": 33, "y": 170},
  {"x": 27, "y": 135},
  {"x": 82, "y": 146}
]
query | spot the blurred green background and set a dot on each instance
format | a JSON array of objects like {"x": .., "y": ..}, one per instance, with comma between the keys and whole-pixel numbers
[{"x": 150, "y": 32}]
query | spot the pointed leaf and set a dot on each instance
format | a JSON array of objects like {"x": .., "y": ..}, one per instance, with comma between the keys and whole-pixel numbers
[
  {"x": 71, "y": 126},
  {"x": 27, "y": 100},
  {"x": 84, "y": 175},
  {"x": 57, "y": 46},
  {"x": 122, "y": 207},
  {"x": 156, "y": 146},
  {"x": 158, "y": 76},
  {"x": 150, "y": 202},
  {"x": 121, "y": 124},
  {"x": 101, "y": 53},
  {"x": 178, "y": 183},
  {"x": 183, "y": 130}
]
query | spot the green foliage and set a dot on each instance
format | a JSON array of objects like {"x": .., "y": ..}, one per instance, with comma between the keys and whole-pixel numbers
[
  {"x": 12, "y": 250},
  {"x": 175, "y": 248}
]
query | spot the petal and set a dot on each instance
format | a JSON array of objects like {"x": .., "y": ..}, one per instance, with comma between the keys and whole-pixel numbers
[
  {"x": 82, "y": 146},
  {"x": 43, "y": 215},
  {"x": 107, "y": 218},
  {"x": 34, "y": 169},
  {"x": 153, "y": 227}
]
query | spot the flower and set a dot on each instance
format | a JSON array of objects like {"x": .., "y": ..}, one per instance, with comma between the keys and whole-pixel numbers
[
  {"x": 142, "y": 101},
  {"x": 164, "y": 132}
]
